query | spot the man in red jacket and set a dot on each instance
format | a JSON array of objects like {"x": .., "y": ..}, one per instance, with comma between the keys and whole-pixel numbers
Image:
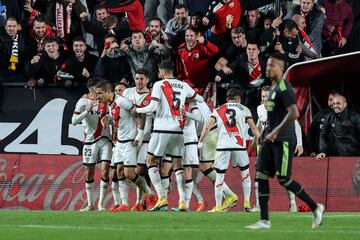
[{"x": 193, "y": 63}]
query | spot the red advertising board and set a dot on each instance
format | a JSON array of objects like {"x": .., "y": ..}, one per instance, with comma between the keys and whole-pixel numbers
[{"x": 56, "y": 182}]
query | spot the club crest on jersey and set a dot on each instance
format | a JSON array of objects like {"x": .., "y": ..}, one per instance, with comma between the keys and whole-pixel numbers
[
  {"x": 145, "y": 102},
  {"x": 196, "y": 55}
]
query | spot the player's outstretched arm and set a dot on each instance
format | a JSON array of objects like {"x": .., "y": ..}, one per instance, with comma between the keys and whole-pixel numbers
[
  {"x": 152, "y": 107},
  {"x": 254, "y": 129},
  {"x": 194, "y": 114},
  {"x": 210, "y": 123},
  {"x": 80, "y": 112}
]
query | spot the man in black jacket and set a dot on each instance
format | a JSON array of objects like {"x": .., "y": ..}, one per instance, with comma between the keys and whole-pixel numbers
[
  {"x": 340, "y": 135},
  {"x": 12, "y": 52},
  {"x": 78, "y": 68},
  {"x": 250, "y": 69},
  {"x": 108, "y": 67},
  {"x": 43, "y": 68},
  {"x": 317, "y": 124}
]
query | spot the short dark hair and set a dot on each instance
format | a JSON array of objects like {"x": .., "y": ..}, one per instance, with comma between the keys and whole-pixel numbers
[
  {"x": 335, "y": 92},
  {"x": 280, "y": 57},
  {"x": 237, "y": 30},
  {"x": 105, "y": 85},
  {"x": 93, "y": 81},
  {"x": 39, "y": 18},
  {"x": 99, "y": 6},
  {"x": 138, "y": 31},
  {"x": 265, "y": 88},
  {"x": 269, "y": 16},
  {"x": 143, "y": 72},
  {"x": 233, "y": 93},
  {"x": 288, "y": 24},
  {"x": 181, "y": 6},
  {"x": 195, "y": 30},
  {"x": 78, "y": 39},
  {"x": 156, "y": 19},
  {"x": 110, "y": 36},
  {"x": 11, "y": 19},
  {"x": 120, "y": 83},
  {"x": 253, "y": 43},
  {"x": 50, "y": 40},
  {"x": 167, "y": 65}
]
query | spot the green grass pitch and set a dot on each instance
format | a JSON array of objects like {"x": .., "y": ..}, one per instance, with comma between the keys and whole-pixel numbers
[{"x": 159, "y": 225}]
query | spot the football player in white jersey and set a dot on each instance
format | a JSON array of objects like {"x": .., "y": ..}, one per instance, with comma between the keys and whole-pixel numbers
[
  {"x": 231, "y": 119},
  {"x": 90, "y": 112},
  {"x": 168, "y": 97},
  {"x": 140, "y": 96},
  {"x": 262, "y": 123},
  {"x": 127, "y": 140},
  {"x": 119, "y": 89},
  {"x": 207, "y": 150}
]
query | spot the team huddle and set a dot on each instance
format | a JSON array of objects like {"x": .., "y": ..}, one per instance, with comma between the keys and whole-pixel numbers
[{"x": 171, "y": 129}]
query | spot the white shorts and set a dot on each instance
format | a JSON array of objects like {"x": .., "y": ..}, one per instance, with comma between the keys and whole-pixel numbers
[
  {"x": 208, "y": 150},
  {"x": 166, "y": 143},
  {"x": 125, "y": 153},
  {"x": 141, "y": 154},
  {"x": 97, "y": 152},
  {"x": 239, "y": 158},
  {"x": 190, "y": 158}
]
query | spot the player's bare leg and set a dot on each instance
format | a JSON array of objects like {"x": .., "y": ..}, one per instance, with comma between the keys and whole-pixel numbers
[
  {"x": 189, "y": 185},
  {"x": 123, "y": 189},
  {"x": 138, "y": 180},
  {"x": 208, "y": 170},
  {"x": 115, "y": 189},
  {"x": 154, "y": 174},
  {"x": 180, "y": 182},
  {"x": 201, "y": 204},
  {"x": 166, "y": 166},
  {"x": 104, "y": 183},
  {"x": 139, "y": 205},
  {"x": 89, "y": 187}
]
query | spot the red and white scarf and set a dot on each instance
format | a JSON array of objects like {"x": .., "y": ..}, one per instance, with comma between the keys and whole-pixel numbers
[
  {"x": 307, "y": 42},
  {"x": 254, "y": 73},
  {"x": 63, "y": 23}
]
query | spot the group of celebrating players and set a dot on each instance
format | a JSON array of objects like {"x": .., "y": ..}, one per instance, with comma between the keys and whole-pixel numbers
[{"x": 171, "y": 129}]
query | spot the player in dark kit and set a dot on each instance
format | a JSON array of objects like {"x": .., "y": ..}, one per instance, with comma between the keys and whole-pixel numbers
[{"x": 278, "y": 144}]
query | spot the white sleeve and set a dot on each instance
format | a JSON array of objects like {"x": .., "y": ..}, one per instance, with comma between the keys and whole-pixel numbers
[
  {"x": 125, "y": 103},
  {"x": 247, "y": 113},
  {"x": 154, "y": 102},
  {"x": 298, "y": 133},
  {"x": 194, "y": 114},
  {"x": 152, "y": 107},
  {"x": 79, "y": 112}
]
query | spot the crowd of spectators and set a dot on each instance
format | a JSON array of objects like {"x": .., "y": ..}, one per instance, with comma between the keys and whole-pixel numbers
[{"x": 228, "y": 42}]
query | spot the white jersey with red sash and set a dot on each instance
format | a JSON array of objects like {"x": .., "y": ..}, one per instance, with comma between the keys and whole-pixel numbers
[
  {"x": 231, "y": 120},
  {"x": 171, "y": 95},
  {"x": 123, "y": 120},
  {"x": 93, "y": 129},
  {"x": 140, "y": 99}
]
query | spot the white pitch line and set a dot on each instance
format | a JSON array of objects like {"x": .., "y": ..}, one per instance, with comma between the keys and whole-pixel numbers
[{"x": 147, "y": 229}]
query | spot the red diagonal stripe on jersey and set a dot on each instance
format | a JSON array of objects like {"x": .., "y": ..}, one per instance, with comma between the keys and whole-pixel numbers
[
  {"x": 230, "y": 129},
  {"x": 168, "y": 91},
  {"x": 102, "y": 107},
  {"x": 115, "y": 111}
]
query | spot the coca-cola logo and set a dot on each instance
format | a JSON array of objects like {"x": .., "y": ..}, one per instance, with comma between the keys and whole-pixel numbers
[{"x": 45, "y": 189}]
